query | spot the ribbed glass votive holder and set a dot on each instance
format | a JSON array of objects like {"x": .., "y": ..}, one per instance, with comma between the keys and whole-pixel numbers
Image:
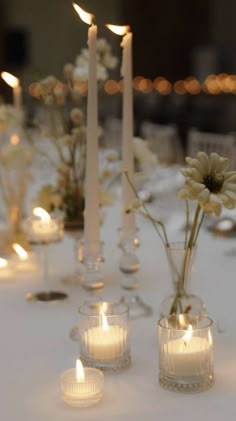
[
  {"x": 185, "y": 354},
  {"x": 104, "y": 335},
  {"x": 81, "y": 394}
]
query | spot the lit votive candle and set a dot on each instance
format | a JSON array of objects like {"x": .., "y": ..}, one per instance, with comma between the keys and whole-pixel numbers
[
  {"x": 23, "y": 260},
  {"x": 6, "y": 269},
  {"x": 185, "y": 354},
  {"x": 42, "y": 228},
  {"x": 104, "y": 335},
  {"x": 82, "y": 386}
]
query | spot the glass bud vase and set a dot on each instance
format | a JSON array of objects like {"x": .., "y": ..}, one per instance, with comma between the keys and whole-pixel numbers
[{"x": 181, "y": 301}]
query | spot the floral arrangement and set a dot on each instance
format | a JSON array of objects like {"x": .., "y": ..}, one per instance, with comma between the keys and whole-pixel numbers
[
  {"x": 10, "y": 117},
  {"x": 15, "y": 173},
  {"x": 211, "y": 186},
  {"x": 63, "y": 124}
]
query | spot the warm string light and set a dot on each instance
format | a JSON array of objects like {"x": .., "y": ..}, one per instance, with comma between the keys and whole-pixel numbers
[{"x": 212, "y": 85}]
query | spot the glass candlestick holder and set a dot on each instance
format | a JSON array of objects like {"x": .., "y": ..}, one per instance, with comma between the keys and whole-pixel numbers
[
  {"x": 41, "y": 230},
  {"x": 104, "y": 335},
  {"x": 91, "y": 256},
  {"x": 129, "y": 265},
  {"x": 185, "y": 354}
]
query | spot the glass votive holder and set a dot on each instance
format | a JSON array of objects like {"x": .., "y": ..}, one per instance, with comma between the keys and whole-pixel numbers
[
  {"x": 84, "y": 393},
  {"x": 104, "y": 335},
  {"x": 185, "y": 354}
]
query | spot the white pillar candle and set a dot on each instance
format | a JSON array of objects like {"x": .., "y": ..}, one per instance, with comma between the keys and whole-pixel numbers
[
  {"x": 14, "y": 82},
  {"x": 91, "y": 215},
  {"x": 186, "y": 358},
  {"x": 128, "y": 220},
  {"x": 106, "y": 345}
]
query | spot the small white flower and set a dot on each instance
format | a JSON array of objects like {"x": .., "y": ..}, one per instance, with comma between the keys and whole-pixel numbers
[
  {"x": 76, "y": 116},
  {"x": 68, "y": 70},
  {"x": 208, "y": 181}
]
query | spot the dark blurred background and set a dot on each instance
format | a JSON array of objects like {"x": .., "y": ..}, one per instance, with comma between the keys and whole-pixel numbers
[{"x": 173, "y": 39}]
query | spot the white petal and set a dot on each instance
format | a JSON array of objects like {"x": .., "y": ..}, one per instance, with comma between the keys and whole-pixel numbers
[
  {"x": 191, "y": 172},
  {"x": 229, "y": 186},
  {"x": 227, "y": 201},
  {"x": 203, "y": 159},
  {"x": 195, "y": 163},
  {"x": 231, "y": 178},
  {"x": 203, "y": 196}
]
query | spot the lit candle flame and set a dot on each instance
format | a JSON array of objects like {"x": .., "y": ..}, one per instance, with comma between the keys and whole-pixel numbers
[
  {"x": 84, "y": 16},
  {"x": 119, "y": 30},
  {"x": 103, "y": 316},
  {"x": 188, "y": 335},
  {"x": 14, "y": 139},
  {"x": 3, "y": 263},
  {"x": 10, "y": 79},
  {"x": 182, "y": 321},
  {"x": 42, "y": 214},
  {"x": 79, "y": 371},
  {"x": 23, "y": 255}
]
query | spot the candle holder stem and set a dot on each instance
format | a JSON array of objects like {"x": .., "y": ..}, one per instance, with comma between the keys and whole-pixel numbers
[
  {"x": 129, "y": 266},
  {"x": 91, "y": 255}
]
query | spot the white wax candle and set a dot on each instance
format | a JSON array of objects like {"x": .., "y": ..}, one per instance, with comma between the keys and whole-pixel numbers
[
  {"x": 106, "y": 345},
  {"x": 128, "y": 220},
  {"x": 187, "y": 357},
  {"x": 17, "y": 97},
  {"x": 82, "y": 392},
  {"x": 91, "y": 228},
  {"x": 14, "y": 82},
  {"x": 44, "y": 231}
]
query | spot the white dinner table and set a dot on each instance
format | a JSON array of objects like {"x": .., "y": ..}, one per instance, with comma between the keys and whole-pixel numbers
[{"x": 36, "y": 346}]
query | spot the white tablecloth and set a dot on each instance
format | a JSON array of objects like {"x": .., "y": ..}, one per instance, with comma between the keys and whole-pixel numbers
[{"x": 35, "y": 345}]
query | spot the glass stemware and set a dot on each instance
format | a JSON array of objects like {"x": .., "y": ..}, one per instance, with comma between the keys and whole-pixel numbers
[{"x": 42, "y": 233}]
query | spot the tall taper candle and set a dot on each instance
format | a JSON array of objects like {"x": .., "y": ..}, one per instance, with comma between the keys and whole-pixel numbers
[
  {"x": 91, "y": 215},
  {"x": 91, "y": 229},
  {"x": 128, "y": 220}
]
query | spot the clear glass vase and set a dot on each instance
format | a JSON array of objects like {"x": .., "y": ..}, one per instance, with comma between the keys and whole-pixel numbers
[{"x": 181, "y": 301}]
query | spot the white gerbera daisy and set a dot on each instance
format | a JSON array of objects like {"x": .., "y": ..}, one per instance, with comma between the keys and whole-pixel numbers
[{"x": 208, "y": 181}]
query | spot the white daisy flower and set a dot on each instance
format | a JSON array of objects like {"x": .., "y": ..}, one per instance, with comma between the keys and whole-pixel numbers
[{"x": 208, "y": 181}]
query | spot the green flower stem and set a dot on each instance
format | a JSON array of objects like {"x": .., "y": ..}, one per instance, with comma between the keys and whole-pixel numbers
[
  {"x": 187, "y": 223},
  {"x": 148, "y": 215},
  {"x": 194, "y": 227}
]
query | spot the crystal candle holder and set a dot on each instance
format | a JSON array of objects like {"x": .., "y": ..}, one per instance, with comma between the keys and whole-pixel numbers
[
  {"x": 185, "y": 354},
  {"x": 85, "y": 393},
  {"x": 91, "y": 256},
  {"x": 104, "y": 335}
]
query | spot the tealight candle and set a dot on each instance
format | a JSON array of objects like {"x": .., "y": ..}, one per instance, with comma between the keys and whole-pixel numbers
[
  {"x": 23, "y": 261},
  {"x": 104, "y": 335},
  {"x": 82, "y": 386},
  {"x": 185, "y": 355}
]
